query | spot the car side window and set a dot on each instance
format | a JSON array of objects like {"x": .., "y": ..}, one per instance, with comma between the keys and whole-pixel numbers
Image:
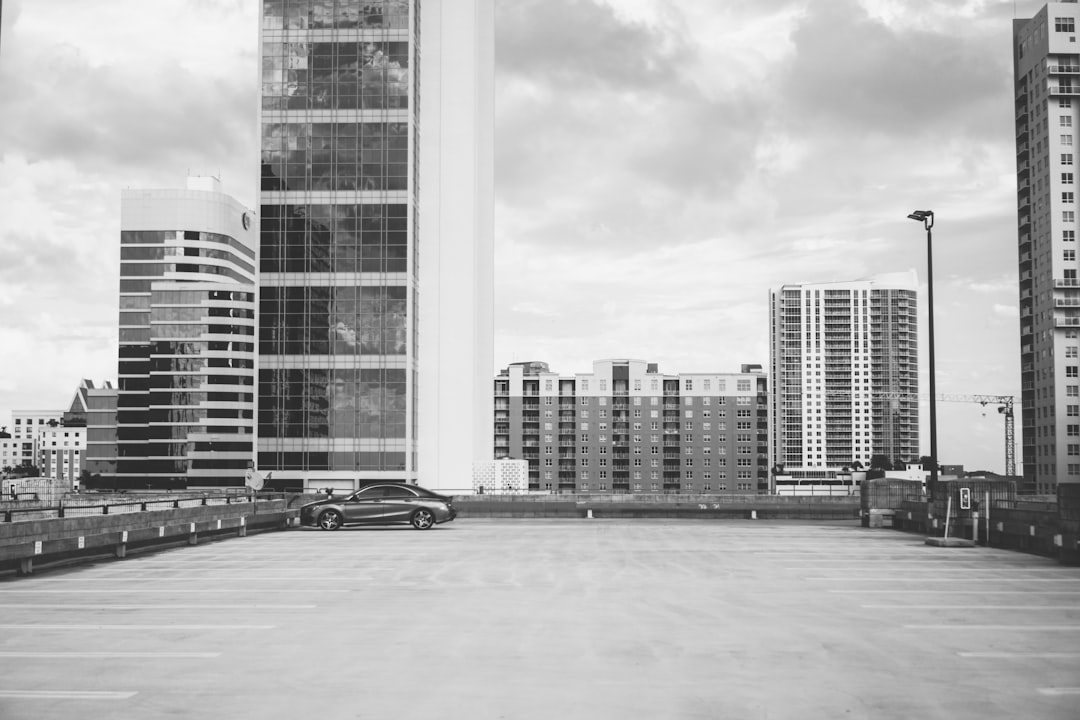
[
  {"x": 398, "y": 492},
  {"x": 368, "y": 493}
]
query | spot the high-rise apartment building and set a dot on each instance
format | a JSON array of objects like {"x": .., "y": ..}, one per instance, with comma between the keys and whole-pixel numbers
[
  {"x": 1046, "y": 57},
  {"x": 340, "y": 368},
  {"x": 844, "y": 369},
  {"x": 185, "y": 404},
  {"x": 627, "y": 428}
]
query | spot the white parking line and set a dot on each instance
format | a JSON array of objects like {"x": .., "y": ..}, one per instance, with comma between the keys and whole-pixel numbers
[
  {"x": 980, "y": 591},
  {"x": 204, "y": 576},
  {"x": 1019, "y": 655},
  {"x": 142, "y": 590},
  {"x": 63, "y": 606},
  {"x": 967, "y": 607},
  {"x": 137, "y": 627},
  {"x": 1060, "y": 691},
  {"x": 110, "y": 655},
  {"x": 877, "y": 566},
  {"x": 66, "y": 694},
  {"x": 901, "y": 578},
  {"x": 1033, "y": 628}
]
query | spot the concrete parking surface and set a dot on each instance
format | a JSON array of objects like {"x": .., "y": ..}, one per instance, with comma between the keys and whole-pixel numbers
[{"x": 563, "y": 619}]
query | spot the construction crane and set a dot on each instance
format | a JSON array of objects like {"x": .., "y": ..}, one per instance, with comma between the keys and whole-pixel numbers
[{"x": 1005, "y": 407}]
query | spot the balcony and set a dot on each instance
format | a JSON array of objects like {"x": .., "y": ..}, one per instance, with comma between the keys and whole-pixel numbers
[{"x": 1063, "y": 89}]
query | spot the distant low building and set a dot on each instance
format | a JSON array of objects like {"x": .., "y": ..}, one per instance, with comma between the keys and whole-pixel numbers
[{"x": 504, "y": 475}]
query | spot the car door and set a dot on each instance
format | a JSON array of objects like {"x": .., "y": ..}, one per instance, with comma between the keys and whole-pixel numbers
[
  {"x": 398, "y": 503},
  {"x": 364, "y": 505}
]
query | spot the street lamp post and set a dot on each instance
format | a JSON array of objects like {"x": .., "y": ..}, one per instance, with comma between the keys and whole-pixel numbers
[{"x": 926, "y": 217}]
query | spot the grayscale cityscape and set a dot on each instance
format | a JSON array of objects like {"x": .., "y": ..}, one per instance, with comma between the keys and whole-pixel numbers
[{"x": 726, "y": 354}]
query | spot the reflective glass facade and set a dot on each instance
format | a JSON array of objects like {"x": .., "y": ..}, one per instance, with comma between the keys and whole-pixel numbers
[
  {"x": 337, "y": 273},
  {"x": 186, "y": 373}
]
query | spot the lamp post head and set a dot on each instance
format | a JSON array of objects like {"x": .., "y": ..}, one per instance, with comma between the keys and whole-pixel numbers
[{"x": 926, "y": 217}]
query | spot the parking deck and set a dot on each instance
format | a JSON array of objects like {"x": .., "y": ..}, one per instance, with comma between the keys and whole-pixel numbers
[{"x": 566, "y": 619}]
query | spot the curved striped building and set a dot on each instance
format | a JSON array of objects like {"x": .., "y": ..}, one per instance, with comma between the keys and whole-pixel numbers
[{"x": 186, "y": 373}]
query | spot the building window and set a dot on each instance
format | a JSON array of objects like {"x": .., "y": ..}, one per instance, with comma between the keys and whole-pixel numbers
[
  {"x": 1072, "y": 430},
  {"x": 1064, "y": 102},
  {"x": 1064, "y": 24},
  {"x": 1068, "y": 216},
  {"x": 1072, "y": 410},
  {"x": 1071, "y": 371},
  {"x": 688, "y": 384},
  {"x": 1066, "y": 178},
  {"x": 1068, "y": 235},
  {"x": 1066, "y": 159},
  {"x": 1066, "y": 121},
  {"x": 1069, "y": 255},
  {"x": 1068, "y": 198}
]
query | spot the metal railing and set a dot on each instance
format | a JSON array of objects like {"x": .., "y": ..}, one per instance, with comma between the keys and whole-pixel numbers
[{"x": 77, "y": 506}]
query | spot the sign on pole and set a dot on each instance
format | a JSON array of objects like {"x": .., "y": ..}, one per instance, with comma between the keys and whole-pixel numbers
[{"x": 965, "y": 498}]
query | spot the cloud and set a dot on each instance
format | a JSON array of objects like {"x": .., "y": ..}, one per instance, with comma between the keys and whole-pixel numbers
[
  {"x": 859, "y": 73},
  {"x": 1007, "y": 311}
]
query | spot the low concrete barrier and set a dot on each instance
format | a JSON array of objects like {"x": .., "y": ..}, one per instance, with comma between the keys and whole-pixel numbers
[
  {"x": 1034, "y": 528},
  {"x": 53, "y": 539},
  {"x": 659, "y": 506}
]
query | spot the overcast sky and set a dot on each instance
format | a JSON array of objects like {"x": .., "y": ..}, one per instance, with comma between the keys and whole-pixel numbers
[{"x": 659, "y": 167}]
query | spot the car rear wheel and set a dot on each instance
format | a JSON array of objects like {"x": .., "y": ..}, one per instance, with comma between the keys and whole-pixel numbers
[
  {"x": 422, "y": 519},
  {"x": 330, "y": 520}
]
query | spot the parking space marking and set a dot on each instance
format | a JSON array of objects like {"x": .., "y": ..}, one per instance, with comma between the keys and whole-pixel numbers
[
  {"x": 134, "y": 576},
  {"x": 109, "y": 655},
  {"x": 72, "y": 606},
  {"x": 1020, "y": 655},
  {"x": 191, "y": 591},
  {"x": 979, "y": 591},
  {"x": 1030, "y": 628},
  {"x": 969, "y": 607},
  {"x": 67, "y": 694},
  {"x": 940, "y": 568},
  {"x": 900, "y": 578},
  {"x": 137, "y": 627},
  {"x": 1060, "y": 691}
]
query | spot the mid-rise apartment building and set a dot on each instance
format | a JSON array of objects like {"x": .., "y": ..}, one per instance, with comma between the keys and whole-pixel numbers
[
  {"x": 27, "y": 428},
  {"x": 844, "y": 367},
  {"x": 1046, "y": 58},
  {"x": 627, "y": 428}
]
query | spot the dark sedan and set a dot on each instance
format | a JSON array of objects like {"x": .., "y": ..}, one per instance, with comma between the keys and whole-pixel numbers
[{"x": 381, "y": 504}]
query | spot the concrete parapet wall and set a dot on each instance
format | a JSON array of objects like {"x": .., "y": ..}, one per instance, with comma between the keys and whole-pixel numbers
[
  {"x": 52, "y": 539},
  {"x": 659, "y": 506},
  {"x": 1039, "y": 531}
]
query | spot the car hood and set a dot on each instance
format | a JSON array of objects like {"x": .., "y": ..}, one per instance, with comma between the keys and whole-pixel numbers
[{"x": 327, "y": 501}]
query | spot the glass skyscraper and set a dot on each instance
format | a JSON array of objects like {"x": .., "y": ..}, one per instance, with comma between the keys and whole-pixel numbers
[{"x": 338, "y": 264}]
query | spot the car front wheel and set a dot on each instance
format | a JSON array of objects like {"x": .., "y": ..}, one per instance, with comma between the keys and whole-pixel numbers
[
  {"x": 330, "y": 520},
  {"x": 422, "y": 519}
]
